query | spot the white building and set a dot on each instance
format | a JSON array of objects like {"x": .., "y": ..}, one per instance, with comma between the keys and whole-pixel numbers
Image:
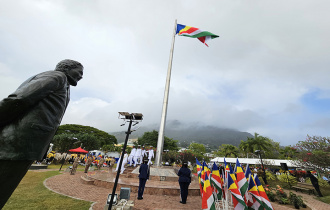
[{"x": 254, "y": 161}]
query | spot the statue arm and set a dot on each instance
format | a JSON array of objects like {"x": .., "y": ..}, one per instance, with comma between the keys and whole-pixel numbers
[{"x": 27, "y": 95}]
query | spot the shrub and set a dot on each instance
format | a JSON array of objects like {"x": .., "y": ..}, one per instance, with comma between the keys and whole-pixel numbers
[{"x": 284, "y": 178}]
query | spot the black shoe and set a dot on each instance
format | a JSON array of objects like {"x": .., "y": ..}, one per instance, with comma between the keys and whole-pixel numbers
[{"x": 139, "y": 198}]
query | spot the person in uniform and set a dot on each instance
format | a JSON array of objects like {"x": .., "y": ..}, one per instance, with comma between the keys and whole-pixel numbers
[
  {"x": 125, "y": 159},
  {"x": 118, "y": 162},
  {"x": 88, "y": 163},
  {"x": 29, "y": 119},
  {"x": 150, "y": 155},
  {"x": 101, "y": 161},
  {"x": 137, "y": 156},
  {"x": 144, "y": 171},
  {"x": 184, "y": 181},
  {"x": 75, "y": 165},
  {"x": 143, "y": 153},
  {"x": 131, "y": 156}
]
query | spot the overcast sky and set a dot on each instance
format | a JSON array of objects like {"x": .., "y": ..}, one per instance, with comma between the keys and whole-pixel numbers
[{"x": 268, "y": 72}]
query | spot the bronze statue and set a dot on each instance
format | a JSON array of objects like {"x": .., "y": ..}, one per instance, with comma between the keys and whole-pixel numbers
[{"x": 29, "y": 119}]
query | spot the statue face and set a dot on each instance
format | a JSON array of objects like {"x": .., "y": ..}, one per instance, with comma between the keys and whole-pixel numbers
[{"x": 74, "y": 75}]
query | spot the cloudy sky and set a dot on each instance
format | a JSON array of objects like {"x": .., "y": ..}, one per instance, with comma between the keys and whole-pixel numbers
[{"x": 267, "y": 73}]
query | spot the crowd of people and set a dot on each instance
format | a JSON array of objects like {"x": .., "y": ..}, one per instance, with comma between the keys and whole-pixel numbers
[{"x": 136, "y": 157}]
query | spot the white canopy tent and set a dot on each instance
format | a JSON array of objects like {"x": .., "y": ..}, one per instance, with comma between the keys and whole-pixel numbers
[{"x": 253, "y": 161}]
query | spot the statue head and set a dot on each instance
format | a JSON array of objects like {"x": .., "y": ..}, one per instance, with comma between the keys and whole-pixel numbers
[{"x": 72, "y": 69}]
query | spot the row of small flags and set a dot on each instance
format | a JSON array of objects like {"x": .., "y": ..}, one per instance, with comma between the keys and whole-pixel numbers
[{"x": 245, "y": 188}]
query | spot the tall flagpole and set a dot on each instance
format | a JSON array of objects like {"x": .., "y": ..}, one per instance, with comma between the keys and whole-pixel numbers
[{"x": 160, "y": 143}]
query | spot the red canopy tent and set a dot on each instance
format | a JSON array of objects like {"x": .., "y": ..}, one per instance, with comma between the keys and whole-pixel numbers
[{"x": 78, "y": 150}]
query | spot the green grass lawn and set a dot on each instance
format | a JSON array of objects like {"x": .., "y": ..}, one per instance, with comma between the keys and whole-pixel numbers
[{"x": 32, "y": 194}]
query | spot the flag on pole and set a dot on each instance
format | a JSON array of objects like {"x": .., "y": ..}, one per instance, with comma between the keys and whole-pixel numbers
[
  {"x": 199, "y": 173},
  {"x": 238, "y": 200},
  {"x": 241, "y": 180},
  {"x": 216, "y": 181},
  {"x": 247, "y": 172},
  {"x": 227, "y": 170},
  {"x": 263, "y": 195},
  {"x": 207, "y": 199},
  {"x": 203, "y": 36},
  {"x": 254, "y": 199},
  {"x": 204, "y": 170}
]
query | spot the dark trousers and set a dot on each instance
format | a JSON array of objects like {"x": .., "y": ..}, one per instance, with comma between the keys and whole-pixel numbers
[
  {"x": 142, "y": 184},
  {"x": 184, "y": 191},
  {"x": 11, "y": 174}
]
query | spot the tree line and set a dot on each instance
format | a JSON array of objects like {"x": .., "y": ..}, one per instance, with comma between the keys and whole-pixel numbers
[{"x": 314, "y": 152}]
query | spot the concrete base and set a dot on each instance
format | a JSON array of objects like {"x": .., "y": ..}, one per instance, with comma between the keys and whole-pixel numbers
[
  {"x": 123, "y": 204},
  {"x": 38, "y": 166},
  {"x": 156, "y": 185}
]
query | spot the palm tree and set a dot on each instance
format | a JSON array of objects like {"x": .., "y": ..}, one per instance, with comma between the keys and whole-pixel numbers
[
  {"x": 245, "y": 148},
  {"x": 258, "y": 143},
  {"x": 228, "y": 150}
]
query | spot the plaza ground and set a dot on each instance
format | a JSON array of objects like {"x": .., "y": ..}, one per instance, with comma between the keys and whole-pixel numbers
[{"x": 71, "y": 185}]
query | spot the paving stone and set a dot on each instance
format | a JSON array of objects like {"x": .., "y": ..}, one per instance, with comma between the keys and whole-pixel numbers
[{"x": 73, "y": 186}]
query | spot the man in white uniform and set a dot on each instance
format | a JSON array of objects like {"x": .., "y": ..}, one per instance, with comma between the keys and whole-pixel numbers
[
  {"x": 131, "y": 156},
  {"x": 137, "y": 155},
  {"x": 144, "y": 154},
  {"x": 150, "y": 155},
  {"x": 125, "y": 159}
]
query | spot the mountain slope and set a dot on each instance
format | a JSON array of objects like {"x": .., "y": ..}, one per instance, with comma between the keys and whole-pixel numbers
[{"x": 210, "y": 136}]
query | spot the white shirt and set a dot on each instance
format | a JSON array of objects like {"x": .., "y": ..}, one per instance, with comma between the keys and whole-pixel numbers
[
  {"x": 143, "y": 152},
  {"x": 138, "y": 152},
  {"x": 133, "y": 151},
  {"x": 151, "y": 153}
]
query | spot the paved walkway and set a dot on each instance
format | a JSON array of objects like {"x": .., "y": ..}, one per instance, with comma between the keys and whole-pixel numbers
[{"x": 71, "y": 185}]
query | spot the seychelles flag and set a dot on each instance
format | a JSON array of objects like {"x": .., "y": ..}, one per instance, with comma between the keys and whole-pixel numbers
[
  {"x": 203, "y": 36},
  {"x": 263, "y": 195},
  {"x": 238, "y": 200},
  {"x": 216, "y": 181},
  {"x": 254, "y": 200},
  {"x": 241, "y": 180},
  {"x": 208, "y": 199},
  {"x": 199, "y": 173}
]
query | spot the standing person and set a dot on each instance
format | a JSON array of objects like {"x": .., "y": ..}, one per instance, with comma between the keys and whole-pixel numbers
[
  {"x": 101, "y": 161},
  {"x": 75, "y": 165},
  {"x": 131, "y": 156},
  {"x": 125, "y": 159},
  {"x": 184, "y": 181},
  {"x": 315, "y": 183},
  {"x": 88, "y": 163},
  {"x": 29, "y": 119},
  {"x": 144, "y": 171},
  {"x": 143, "y": 153},
  {"x": 112, "y": 163},
  {"x": 137, "y": 156},
  {"x": 119, "y": 159},
  {"x": 150, "y": 155}
]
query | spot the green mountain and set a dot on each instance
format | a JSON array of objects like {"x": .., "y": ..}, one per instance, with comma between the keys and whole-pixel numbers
[{"x": 210, "y": 136}]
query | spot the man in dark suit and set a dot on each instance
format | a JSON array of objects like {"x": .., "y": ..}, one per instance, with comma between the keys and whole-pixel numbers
[
  {"x": 29, "y": 119},
  {"x": 184, "y": 181},
  {"x": 143, "y": 176}
]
